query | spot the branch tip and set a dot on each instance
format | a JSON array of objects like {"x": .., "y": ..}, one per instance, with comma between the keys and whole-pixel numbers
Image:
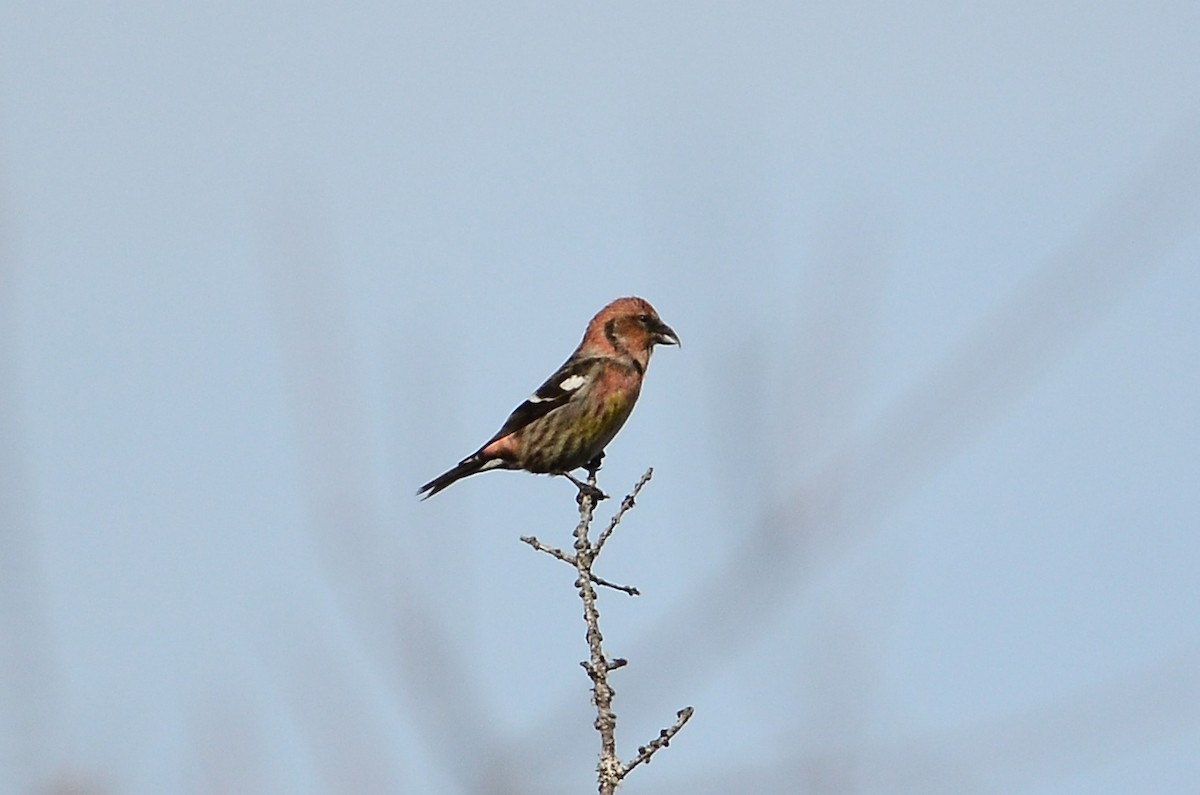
[{"x": 611, "y": 771}]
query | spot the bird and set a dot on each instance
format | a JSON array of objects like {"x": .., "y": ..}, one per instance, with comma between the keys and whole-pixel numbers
[{"x": 571, "y": 418}]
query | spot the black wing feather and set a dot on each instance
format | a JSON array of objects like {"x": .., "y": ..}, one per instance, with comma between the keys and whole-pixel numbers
[{"x": 548, "y": 396}]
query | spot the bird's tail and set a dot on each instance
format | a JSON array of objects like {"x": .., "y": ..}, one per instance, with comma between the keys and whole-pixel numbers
[{"x": 468, "y": 466}]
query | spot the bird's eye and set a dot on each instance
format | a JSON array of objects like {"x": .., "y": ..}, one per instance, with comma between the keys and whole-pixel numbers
[{"x": 644, "y": 320}]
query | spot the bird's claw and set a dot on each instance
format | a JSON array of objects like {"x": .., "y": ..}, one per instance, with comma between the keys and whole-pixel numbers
[
  {"x": 585, "y": 490},
  {"x": 588, "y": 490}
]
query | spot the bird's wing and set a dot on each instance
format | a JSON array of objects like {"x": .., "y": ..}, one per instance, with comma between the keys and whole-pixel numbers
[{"x": 561, "y": 388}]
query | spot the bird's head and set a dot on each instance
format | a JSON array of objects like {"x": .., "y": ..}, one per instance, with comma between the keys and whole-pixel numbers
[{"x": 631, "y": 326}]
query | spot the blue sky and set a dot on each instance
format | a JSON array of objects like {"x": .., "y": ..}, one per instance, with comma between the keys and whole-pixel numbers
[{"x": 924, "y": 515}]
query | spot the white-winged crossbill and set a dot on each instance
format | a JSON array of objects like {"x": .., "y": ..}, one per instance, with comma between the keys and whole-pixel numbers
[{"x": 569, "y": 420}]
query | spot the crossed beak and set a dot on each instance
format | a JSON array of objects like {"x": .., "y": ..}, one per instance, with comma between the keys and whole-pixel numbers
[{"x": 665, "y": 335}]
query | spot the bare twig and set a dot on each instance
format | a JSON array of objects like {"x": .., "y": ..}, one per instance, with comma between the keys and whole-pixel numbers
[
  {"x": 661, "y": 741},
  {"x": 626, "y": 589},
  {"x": 610, "y": 770},
  {"x": 626, "y": 504},
  {"x": 555, "y": 552}
]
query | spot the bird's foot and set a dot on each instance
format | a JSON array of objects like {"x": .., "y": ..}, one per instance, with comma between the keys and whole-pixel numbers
[{"x": 585, "y": 490}]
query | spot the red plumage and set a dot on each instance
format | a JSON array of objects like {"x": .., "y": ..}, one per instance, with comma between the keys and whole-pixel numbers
[{"x": 571, "y": 418}]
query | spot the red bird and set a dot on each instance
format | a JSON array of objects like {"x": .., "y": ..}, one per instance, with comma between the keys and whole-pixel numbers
[{"x": 569, "y": 420}]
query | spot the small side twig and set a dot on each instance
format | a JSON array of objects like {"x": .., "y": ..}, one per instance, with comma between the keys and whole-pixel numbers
[
  {"x": 555, "y": 552},
  {"x": 610, "y": 770},
  {"x": 661, "y": 741},
  {"x": 626, "y": 504}
]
